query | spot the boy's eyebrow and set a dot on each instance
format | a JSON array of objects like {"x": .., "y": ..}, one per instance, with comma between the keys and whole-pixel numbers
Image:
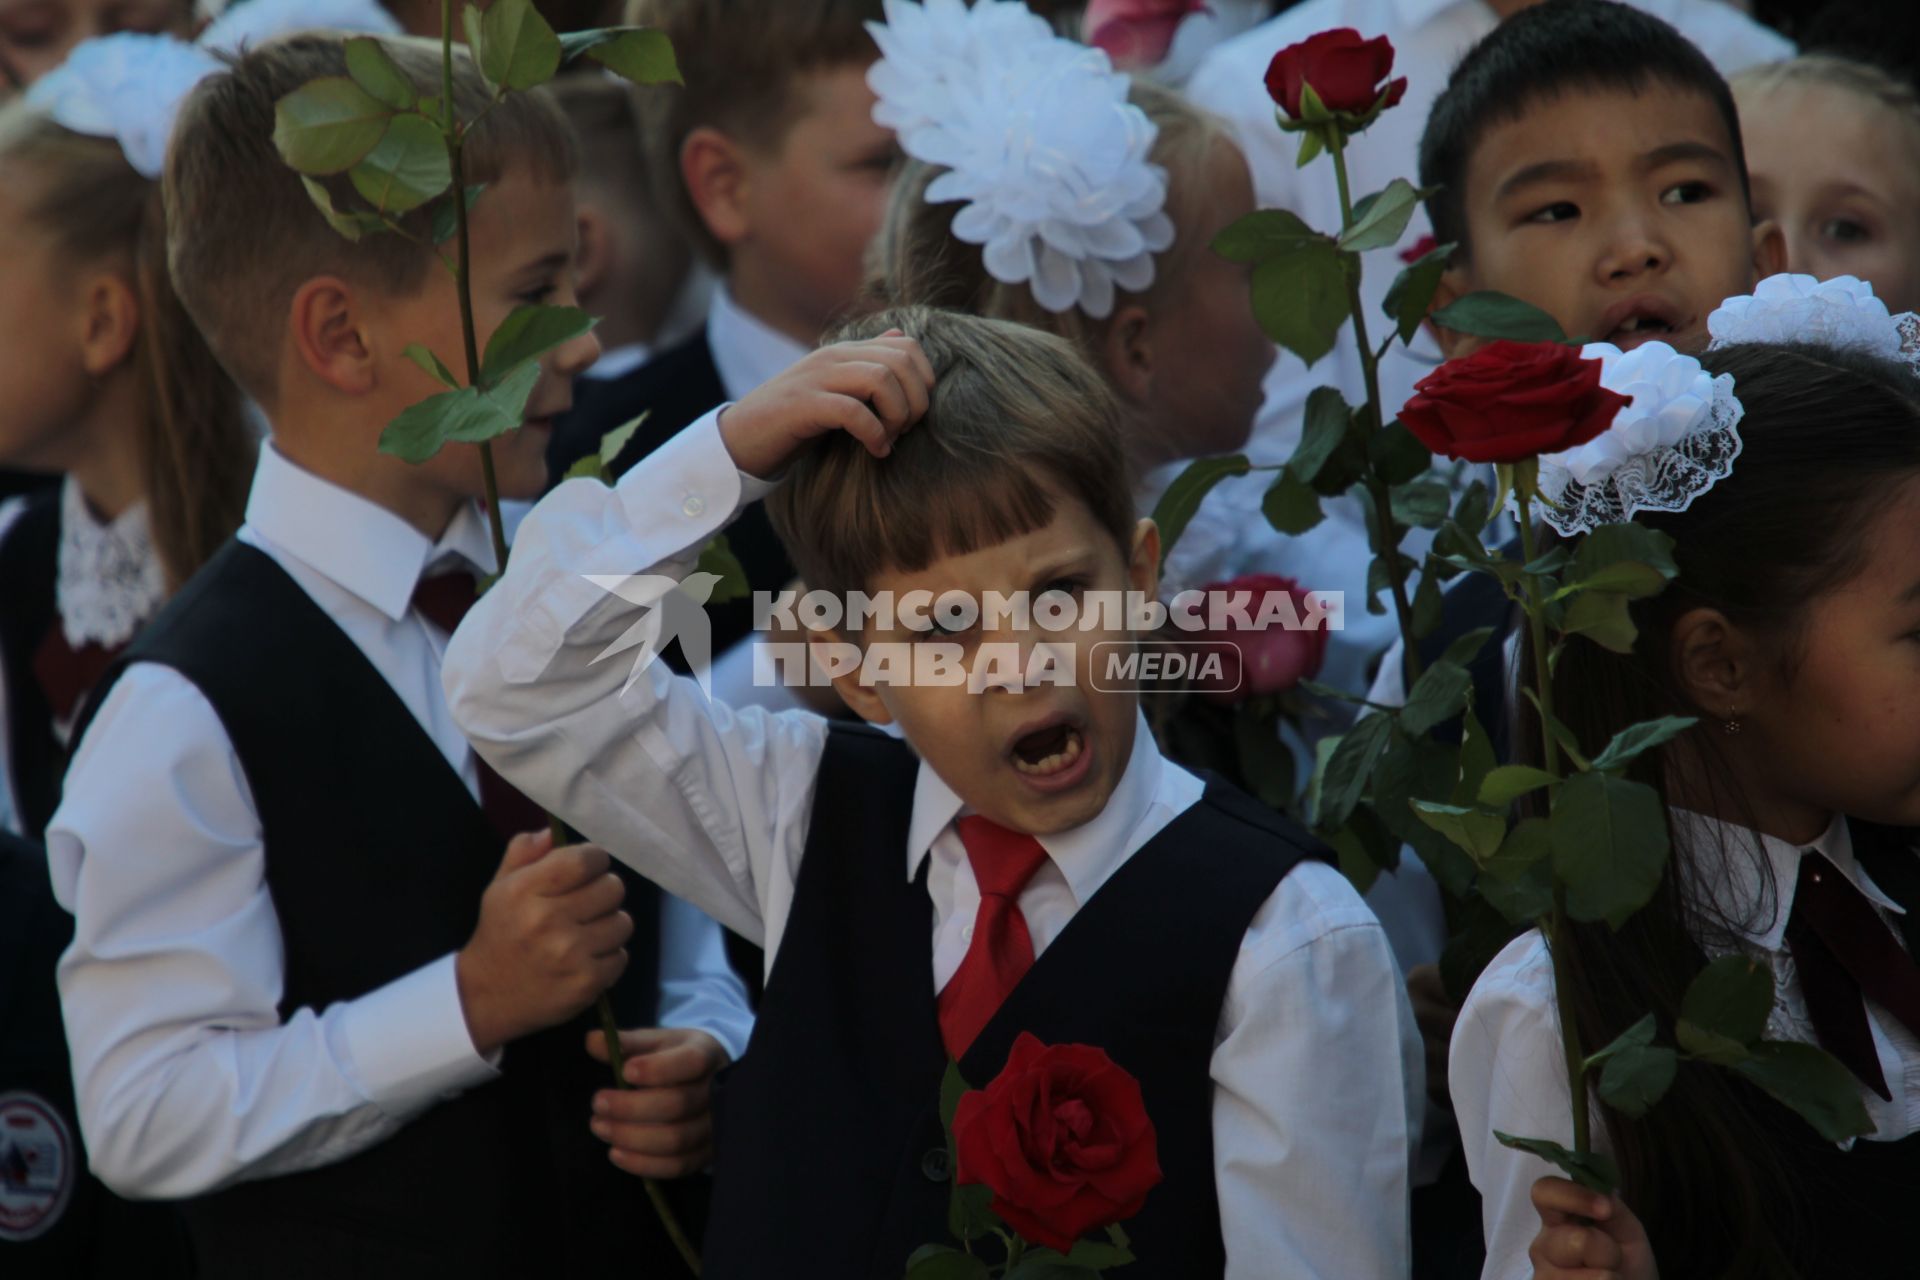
[
  {"x": 1677, "y": 152},
  {"x": 1053, "y": 568},
  {"x": 1574, "y": 170},
  {"x": 547, "y": 265}
]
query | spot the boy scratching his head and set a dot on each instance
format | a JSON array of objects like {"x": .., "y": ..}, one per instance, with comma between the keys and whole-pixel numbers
[
  {"x": 306, "y": 994},
  {"x": 1588, "y": 161},
  {"x": 1188, "y": 931}
]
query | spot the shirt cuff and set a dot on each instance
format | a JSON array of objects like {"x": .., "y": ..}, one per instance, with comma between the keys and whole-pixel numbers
[
  {"x": 689, "y": 484},
  {"x": 408, "y": 1041}
]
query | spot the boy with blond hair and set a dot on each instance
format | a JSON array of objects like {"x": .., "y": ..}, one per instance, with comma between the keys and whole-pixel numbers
[{"x": 306, "y": 994}]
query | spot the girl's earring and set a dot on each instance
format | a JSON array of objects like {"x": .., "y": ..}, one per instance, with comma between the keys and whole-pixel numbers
[{"x": 1732, "y": 724}]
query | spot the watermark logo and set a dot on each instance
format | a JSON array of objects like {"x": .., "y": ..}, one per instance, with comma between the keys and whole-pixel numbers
[{"x": 1192, "y": 642}]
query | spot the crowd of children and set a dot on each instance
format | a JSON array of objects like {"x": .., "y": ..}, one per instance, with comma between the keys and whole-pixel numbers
[{"x": 322, "y": 831}]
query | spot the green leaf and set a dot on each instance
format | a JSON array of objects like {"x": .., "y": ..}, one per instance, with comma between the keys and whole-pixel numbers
[
  {"x": 1594, "y": 1170},
  {"x": 1261, "y": 234},
  {"x": 1439, "y": 694},
  {"x": 1475, "y": 506},
  {"x": 1266, "y": 766},
  {"x": 1188, "y": 490},
  {"x": 374, "y": 70},
  {"x": 1637, "y": 738},
  {"x": 1517, "y": 881},
  {"x": 518, "y": 50},
  {"x": 1412, "y": 769},
  {"x": 1473, "y": 830},
  {"x": 1349, "y": 767},
  {"x": 431, "y": 364},
  {"x": 327, "y": 126},
  {"x": 1495, "y": 315},
  {"x": 1548, "y": 562},
  {"x": 1045, "y": 1264},
  {"x": 1467, "y": 647},
  {"x": 969, "y": 1215},
  {"x": 1509, "y": 782},
  {"x": 352, "y": 224},
  {"x": 1324, "y": 430},
  {"x": 944, "y": 1262},
  {"x": 588, "y": 467},
  {"x": 528, "y": 333},
  {"x": 1411, "y": 294},
  {"x": 1290, "y": 505},
  {"x": 1399, "y": 456},
  {"x": 1378, "y": 580},
  {"x": 1476, "y": 759},
  {"x": 1637, "y": 1036},
  {"x": 1609, "y": 845},
  {"x": 1099, "y": 1255},
  {"x": 635, "y": 54},
  {"x": 1386, "y": 217},
  {"x": 1365, "y": 848},
  {"x": 613, "y": 443},
  {"x": 1627, "y": 578},
  {"x": 407, "y": 169},
  {"x": 1300, "y": 298},
  {"x": 466, "y": 416},
  {"x": 1731, "y": 997},
  {"x": 1603, "y": 619},
  {"x": 1428, "y": 605},
  {"x": 1614, "y": 543},
  {"x": 1636, "y": 1078},
  {"x": 952, "y": 1086},
  {"x": 446, "y": 218},
  {"x": 1813, "y": 1083},
  {"x": 718, "y": 559},
  {"x": 1311, "y": 145},
  {"x": 1422, "y": 504},
  {"x": 1561, "y": 734}
]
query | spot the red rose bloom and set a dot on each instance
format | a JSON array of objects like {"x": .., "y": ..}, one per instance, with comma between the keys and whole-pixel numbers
[
  {"x": 1136, "y": 34},
  {"x": 1344, "y": 70},
  {"x": 1261, "y": 659},
  {"x": 1509, "y": 401},
  {"x": 1419, "y": 249},
  {"x": 1063, "y": 1139}
]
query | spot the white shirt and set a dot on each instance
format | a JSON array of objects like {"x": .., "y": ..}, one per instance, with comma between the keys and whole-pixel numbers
[
  {"x": 1506, "y": 1071},
  {"x": 1428, "y": 38},
  {"x": 747, "y": 351},
  {"x": 618, "y": 363},
  {"x": 715, "y": 804},
  {"x": 187, "y": 1078}
]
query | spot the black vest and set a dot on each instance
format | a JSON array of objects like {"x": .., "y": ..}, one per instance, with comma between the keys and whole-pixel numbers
[
  {"x": 35, "y": 759},
  {"x": 830, "y": 1143},
  {"x": 376, "y": 857}
]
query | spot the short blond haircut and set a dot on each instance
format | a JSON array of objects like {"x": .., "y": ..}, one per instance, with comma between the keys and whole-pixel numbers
[
  {"x": 916, "y": 260},
  {"x": 1019, "y": 420},
  {"x": 242, "y": 233},
  {"x": 741, "y": 61}
]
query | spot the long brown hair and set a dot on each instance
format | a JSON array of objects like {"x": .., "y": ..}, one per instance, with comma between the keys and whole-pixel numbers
[
  {"x": 1827, "y": 435},
  {"x": 196, "y": 447}
]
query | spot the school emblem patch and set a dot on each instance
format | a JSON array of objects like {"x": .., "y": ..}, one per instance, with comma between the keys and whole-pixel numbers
[{"x": 37, "y": 1165}]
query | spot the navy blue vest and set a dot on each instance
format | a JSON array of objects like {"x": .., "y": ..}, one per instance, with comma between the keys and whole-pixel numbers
[
  {"x": 376, "y": 857},
  {"x": 830, "y": 1144},
  {"x": 34, "y": 757}
]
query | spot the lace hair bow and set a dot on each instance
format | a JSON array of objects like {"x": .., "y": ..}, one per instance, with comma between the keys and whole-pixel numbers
[
  {"x": 1039, "y": 141},
  {"x": 129, "y": 86},
  {"x": 1841, "y": 312},
  {"x": 1675, "y": 440}
]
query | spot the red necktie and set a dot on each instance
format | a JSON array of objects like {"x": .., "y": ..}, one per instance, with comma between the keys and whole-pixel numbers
[
  {"x": 1001, "y": 952},
  {"x": 1842, "y": 951},
  {"x": 443, "y": 600}
]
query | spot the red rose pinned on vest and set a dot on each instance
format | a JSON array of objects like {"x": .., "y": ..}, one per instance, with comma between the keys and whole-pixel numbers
[
  {"x": 1348, "y": 76},
  {"x": 1510, "y": 401},
  {"x": 1063, "y": 1140}
]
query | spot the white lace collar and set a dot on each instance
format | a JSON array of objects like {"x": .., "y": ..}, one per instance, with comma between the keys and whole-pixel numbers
[{"x": 109, "y": 579}]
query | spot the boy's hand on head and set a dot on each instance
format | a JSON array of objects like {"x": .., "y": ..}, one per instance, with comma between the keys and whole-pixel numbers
[
  {"x": 662, "y": 1127},
  {"x": 873, "y": 390},
  {"x": 551, "y": 937},
  {"x": 1587, "y": 1236}
]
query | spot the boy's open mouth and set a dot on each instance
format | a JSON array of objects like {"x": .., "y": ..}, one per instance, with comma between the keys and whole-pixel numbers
[
  {"x": 1048, "y": 750},
  {"x": 1634, "y": 321}
]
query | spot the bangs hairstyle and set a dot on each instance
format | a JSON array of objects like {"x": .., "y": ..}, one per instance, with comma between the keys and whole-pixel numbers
[
  {"x": 916, "y": 260},
  {"x": 1544, "y": 52},
  {"x": 1864, "y": 80},
  {"x": 243, "y": 236},
  {"x": 1019, "y": 420},
  {"x": 740, "y": 60}
]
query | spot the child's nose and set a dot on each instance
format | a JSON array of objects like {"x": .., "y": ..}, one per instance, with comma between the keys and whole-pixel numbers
[
  {"x": 575, "y": 357},
  {"x": 1633, "y": 249}
]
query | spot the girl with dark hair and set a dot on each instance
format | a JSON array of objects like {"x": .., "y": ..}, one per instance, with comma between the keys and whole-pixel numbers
[{"x": 1792, "y": 634}]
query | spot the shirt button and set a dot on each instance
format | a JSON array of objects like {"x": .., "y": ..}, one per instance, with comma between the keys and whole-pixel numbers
[
  {"x": 966, "y": 934},
  {"x": 936, "y": 1165},
  {"x": 694, "y": 504}
]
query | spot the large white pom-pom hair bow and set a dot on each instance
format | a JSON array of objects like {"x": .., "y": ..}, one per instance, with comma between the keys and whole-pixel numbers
[
  {"x": 1039, "y": 140},
  {"x": 129, "y": 86},
  {"x": 1841, "y": 312},
  {"x": 1674, "y": 440}
]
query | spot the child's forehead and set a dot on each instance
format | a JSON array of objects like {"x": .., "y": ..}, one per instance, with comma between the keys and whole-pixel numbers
[{"x": 1597, "y": 131}]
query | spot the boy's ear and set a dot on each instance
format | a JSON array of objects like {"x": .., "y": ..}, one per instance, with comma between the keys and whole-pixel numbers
[
  {"x": 1713, "y": 661},
  {"x": 594, "y": 261},
  {"x": 1769, "y": 250},
  {"x": 864, "y": 699},
  {"x": 1453, "y": 286},
  {"x": 1143, "y": 565},
  {"x": 715, "y": 170},
  {"x": 1128, "y": 351},
  {"x": 111, "y": 323},
  {"x": 324, "y": 322}
]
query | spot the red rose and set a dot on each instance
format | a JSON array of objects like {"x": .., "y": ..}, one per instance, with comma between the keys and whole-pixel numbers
[
  {"x": 1419, "y": 249},
  {"x": 1136, "y": 33},
  {"x": 1063, "y": 1139},
  {"x": 1344, "y": 70},
  {"x": 1260, "y": 659},
  {"x": 1511, "y": 400}
]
